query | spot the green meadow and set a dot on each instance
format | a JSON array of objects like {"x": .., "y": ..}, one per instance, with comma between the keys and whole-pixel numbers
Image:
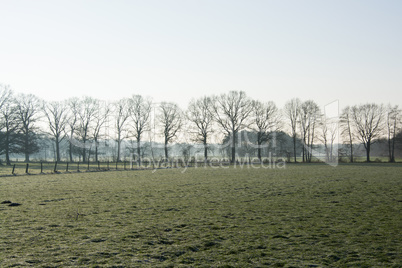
[{"x": 299, "y": 215}]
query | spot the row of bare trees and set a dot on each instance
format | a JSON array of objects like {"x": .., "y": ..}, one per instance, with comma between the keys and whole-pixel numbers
[
  {"x": 359, "y": 124},
  {"x": 304, "y": 120},
  {"x": 87, "y": 120},
  {"x": 18, "y": 123},
  {"x": 83, "y": 122},
  {"x": 367, "y": 123}
]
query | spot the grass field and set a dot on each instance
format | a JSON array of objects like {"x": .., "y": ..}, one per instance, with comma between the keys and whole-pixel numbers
[{"x": 299, "y": 216}]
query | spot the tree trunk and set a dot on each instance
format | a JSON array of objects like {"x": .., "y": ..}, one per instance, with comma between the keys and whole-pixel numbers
[
  {"x": 368, "y": 151},
  {"x": 118, "y": 149},
  {"x": 259, "y": 142},
  {"x": 389, "y": 148},
  {"x": 166, "y": 150},
  {"x": 71, "y": 152},
  {"x": 84, "y": 153},
  {"x": 57, "y": 150},
  {"x": 139, "y": 151},
  {"x": 393, "y": 144},
  {"x": 294, "y": 147},
  {"x": 89, "y": 155},
  {"x": 311, "y": 144},
  {"x": 351, "y": 152},
  {"x": 233, "y": 147},
  {"x": 350, "y": 141},
  {"x": 96, "y": 150},
  {"x": 7, "y": 149},
  {"x": 205, "y": 150},
  {"x": 26, "y": 149}
]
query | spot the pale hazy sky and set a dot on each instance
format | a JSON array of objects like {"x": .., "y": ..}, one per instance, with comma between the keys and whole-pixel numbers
[{"x": 349, "y": 51}]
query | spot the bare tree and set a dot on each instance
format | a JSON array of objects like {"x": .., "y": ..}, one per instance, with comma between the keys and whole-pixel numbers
[
  {"x": 88, "y": 109},
  {"x": 393, "y": 120},
  {"x": 232, "y": 113},
  {"x": 199, "y": 114},
  {"x": 140, "y": 113},
  {"x": 308, "y": 117},
  {"x": 73, "y": 106},
  {"x": 266, "y": 121},
  {"x": 171, "y": 120},
  {"x": 8, "y": 129},
  {"x": 8, "y": 122},
  {"x": 122, "y": 113},
  {"x": 28, "y": 114},
  {"x": 100, "y": 118},
  {"x": 347, "y": 128},
  {"x": 57, "y": 116},
  {"x": 329, "y": 135},
  {"x": 291, "y": 110},
  {"x": 367, "y": 120}
]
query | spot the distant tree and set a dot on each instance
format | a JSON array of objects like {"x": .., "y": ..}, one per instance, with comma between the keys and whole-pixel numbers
[
  {"x": 132, "y": 149},
  {"x": 9, "y": 129},
  {"x": 291, "y": 111},
  {"x": 347, "y": 130},
  {"x": 73, "y": 108},
  {"x": 171, "y": 121},
  {"x": 199, "y": 114},
  {"x": 284, "y": 145},
  {"x": 266, "y": 122},
  {"x": 100, "y": 118},
  {"x": 232, "y": 113},
  {"x": 393, "y": 117},
  {"x": 247, "y": 148},
  {"x": 28, "y": 109},
  {"x": 328, "y": 136},
  {"x": 57, "y": 116},
  {"x": 368, "y": 123},
  {"x": 308, "y": 117},
  {"x": 185, "y": 150},
  {"x": 122, "y": 112},
  {"x": 87, "y": 110},
  {"x": 8, "y": 122},
  {"x": 140, "y": 111}
]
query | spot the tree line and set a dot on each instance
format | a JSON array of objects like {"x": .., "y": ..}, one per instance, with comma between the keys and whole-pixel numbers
[{"x": 83, "y": 122}]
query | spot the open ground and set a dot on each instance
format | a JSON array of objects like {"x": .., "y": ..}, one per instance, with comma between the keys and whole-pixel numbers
[{"x": 296, "y": 216}]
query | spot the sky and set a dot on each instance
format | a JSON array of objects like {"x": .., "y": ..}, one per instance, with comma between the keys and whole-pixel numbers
[{"x": 179, "y": 50}]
